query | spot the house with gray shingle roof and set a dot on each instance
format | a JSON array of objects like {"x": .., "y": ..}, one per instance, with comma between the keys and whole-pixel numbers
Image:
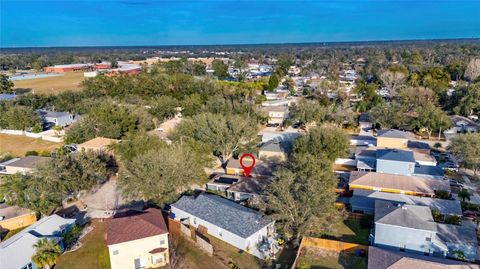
[
  {"x": 411, "y": 228},
  {"x": 17, "y": 251},
  {"x": 237, "y": 225}
]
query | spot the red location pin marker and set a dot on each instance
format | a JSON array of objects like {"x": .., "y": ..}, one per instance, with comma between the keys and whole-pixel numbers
[{"x": 248, "y": 166}]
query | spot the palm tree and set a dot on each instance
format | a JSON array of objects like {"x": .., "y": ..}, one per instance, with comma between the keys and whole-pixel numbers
[
  {"x": 47, "y": 252},
  {"x": 464, "y": 195}
]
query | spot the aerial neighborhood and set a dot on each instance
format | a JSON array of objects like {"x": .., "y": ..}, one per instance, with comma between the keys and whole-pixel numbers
[{"x": 348, "y": 156}]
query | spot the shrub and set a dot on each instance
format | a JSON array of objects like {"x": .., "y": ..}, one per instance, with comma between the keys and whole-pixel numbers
[
  {"x": 442, "y": 194},
  {"x": 452, "y": 220},
  {"x": 31, "y": 153}
]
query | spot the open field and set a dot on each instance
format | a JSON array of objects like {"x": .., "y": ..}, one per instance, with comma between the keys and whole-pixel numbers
[
  {"x": 52, "y": 85},
  {"x": 92, "y": 254},
  {"x": 18, "y": 145}
]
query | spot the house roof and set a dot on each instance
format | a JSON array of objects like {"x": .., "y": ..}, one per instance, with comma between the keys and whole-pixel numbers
[
  {"x": 133, "y": 225},
  {"x": 386, "y": 259},
  {"x": 397, "y": 182},
  {"x": 392, "y": 133},
  {"x": 253, "y": 185},
  {"x": 457, "y": 119},
  {"x": 417, "y": 145},
  {"x": 429, "y": 170},
  {"x": 446, "y": 207},
  {"x": 98, "y": 143},
  {"x": 235, "y": 163},
  {"x": 226, "y": 214},
  {"x": 404, "y": 215},
  {"x": 19, "y": 248},
  {"x": 30, "y": 161},
  {"x": 395, "y": 155},
  {"x": 13, "y": 211},
  {"x": 464, "y": 233},
  {"x": 276, "y": 146}
]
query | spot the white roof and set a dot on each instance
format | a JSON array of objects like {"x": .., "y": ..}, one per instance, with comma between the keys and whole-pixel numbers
[{"x": 19, "y": 248}]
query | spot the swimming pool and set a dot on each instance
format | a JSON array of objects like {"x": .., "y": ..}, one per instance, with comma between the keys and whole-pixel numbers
[{"x": 33, "y": 76}]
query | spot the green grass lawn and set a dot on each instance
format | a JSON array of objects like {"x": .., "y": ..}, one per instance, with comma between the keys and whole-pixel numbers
[
  {"x": 92, "y": 254},
  {"x": 317, "y": 259},
  {"x": 350, "y": 231}
]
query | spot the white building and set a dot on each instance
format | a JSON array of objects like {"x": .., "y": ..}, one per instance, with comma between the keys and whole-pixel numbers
[
  {"x": 239, "y": 226},
  {"x": 17, "y": 251}
]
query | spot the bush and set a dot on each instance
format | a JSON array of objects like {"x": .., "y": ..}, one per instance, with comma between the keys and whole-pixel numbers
[
  {"x": 37, "y": 128},
  {"x": 31, "y": 153},
  {"x": 453, "y": 220},
  {"x": 437, "y": 145},
  {"x": 437, "y": 216},
  {"x": 442, "y": 194}
]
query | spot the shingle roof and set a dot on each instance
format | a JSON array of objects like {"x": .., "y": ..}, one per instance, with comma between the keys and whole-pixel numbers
[
  {"x": 446, "y": 207},
  {"x": 98, "y": 143},
  {"x": 30, "y": 161},
  {"x": 422, "y": 170},
  {"x": 398, "y": 182},
  {"x": 19, "y": 248},
  {"x": 252, "y": 185},
  {"x": 395, "y": 155},
  {"x": 9, "y": 212},
  {"x": 385, "y": 259},
  {"x": 132, "y": 225},
  {"x": 392, "y": 133},
  {"x": 276, "y": 146},
  {"x": 410, "y": 216},
  {"x": 226, "y": 214}
]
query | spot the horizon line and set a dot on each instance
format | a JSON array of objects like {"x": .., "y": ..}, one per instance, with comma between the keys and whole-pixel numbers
[{"x": 257, "y": 44}]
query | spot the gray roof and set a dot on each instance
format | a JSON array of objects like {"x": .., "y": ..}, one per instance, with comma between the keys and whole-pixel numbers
[
  {"x": 9, "y": 212},
  {"x": 6, "y": 96},
  {"x": 417, "y": 145},
  {"x": 429, "y": 170},
  {"x": 383, "y": 259},
  {"x": 392, "y": 133},
  {"x": 458, "y": 234},
  {"x": 367, "y": 198},
  {"x": 395, "y": 155},
  {"x": 19, "y": 248},
  {"x": 226, "y": 214},
  {"x": 276, "y": 146},
  {"x": 30, "y": 161},
  {"x": 410, "y": 216},
  {"x": 51, "y": 114}
]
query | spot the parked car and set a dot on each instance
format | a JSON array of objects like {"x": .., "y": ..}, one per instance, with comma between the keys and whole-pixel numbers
[
  {"x": 455, "y": 183},
  {"x": 450, "y": 166},
  {"x": 470, "y": 215}
]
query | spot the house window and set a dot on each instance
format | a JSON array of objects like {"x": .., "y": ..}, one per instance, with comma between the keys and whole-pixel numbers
[
  {"x": 157, "y": 259},
  {"x": 428, "y": 239},
  {"x": 162, "y": 242},
  {"x": 115, "y": 252}
]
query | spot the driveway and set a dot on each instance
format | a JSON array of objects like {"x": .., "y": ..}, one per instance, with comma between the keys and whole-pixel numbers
[{"x": 102, "y": 202}]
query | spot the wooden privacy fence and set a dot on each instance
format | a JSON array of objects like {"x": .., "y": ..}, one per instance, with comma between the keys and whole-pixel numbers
[{"x": 327, "y": 244}]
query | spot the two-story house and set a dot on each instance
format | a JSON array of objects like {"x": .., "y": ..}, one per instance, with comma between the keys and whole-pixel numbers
[{"x": 137, "y": 239}]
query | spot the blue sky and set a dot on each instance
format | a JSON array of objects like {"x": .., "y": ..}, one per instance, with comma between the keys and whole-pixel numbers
[{"x": 25, "y": 23}]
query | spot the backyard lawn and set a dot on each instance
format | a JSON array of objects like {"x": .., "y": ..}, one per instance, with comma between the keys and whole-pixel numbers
[
  {"x": 18, "y": 145},
  {"x": 92, "y": 254},
  {"x": 350, "y": 231},
  {"x": 52, "y": 85},
  {"x": 315, "y": 258}
]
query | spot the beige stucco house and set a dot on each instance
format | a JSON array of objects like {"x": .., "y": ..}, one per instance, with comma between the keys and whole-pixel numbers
[
  {"x": 392, "y": 139},
  {"x": 22, "y": 165},
  {"x": 137, "y": 239}
]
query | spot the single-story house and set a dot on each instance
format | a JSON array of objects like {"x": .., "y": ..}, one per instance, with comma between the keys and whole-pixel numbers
[
  {"x": 137, "y": 239},
  {"x": 235, "y": 168},
  {"x": 392, "y": 139},
  {"x": 363, "y": 201},
  {"x": 14, "y": 217},
  {"x": 17, "y": 251},
  {"x": 22, "y": 165},
  {"x": 61, "y": 119},
  {"x": 238, "y": 188},
  {"x": 411, "y": 228},
  {"x": 461, "y": 125},
  {"x": 237, "y": 225},
  {"x": 275, "y": 150},
  {"x": 379, "y": 258},
  {"x": 411, "y": 185},
  {"x": 98, "y": 144},
  {"x": 290, "y": 134}
]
